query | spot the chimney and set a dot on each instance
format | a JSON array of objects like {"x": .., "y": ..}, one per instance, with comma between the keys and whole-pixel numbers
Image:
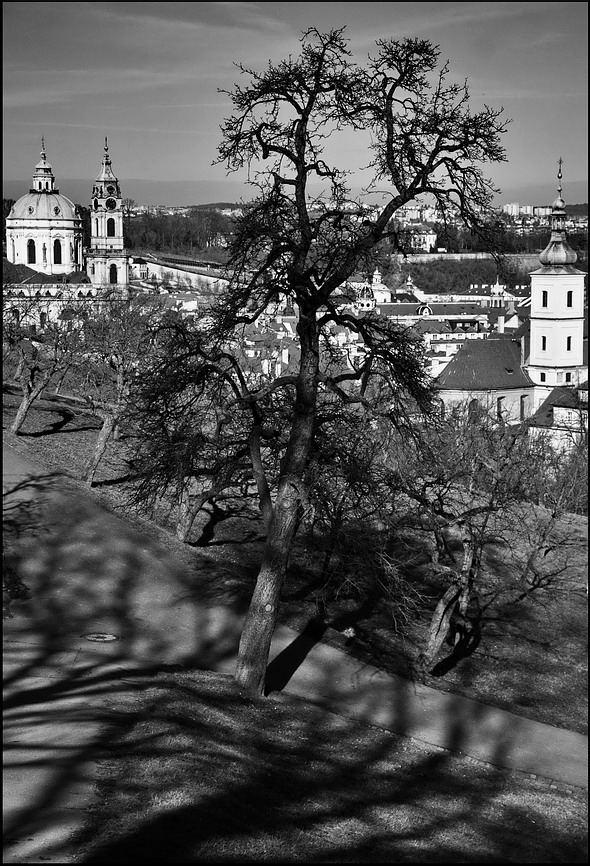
[{"x": 501, "y": 324}]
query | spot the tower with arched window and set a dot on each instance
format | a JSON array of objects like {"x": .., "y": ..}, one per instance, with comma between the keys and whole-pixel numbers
[
  {"x": 556, "y": 356},
  {"x": 107, "y": 261}
]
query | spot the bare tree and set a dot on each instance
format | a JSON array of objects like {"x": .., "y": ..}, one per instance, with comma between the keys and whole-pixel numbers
[
  {"x": 425, "y": 139},
  {"x": 116, "y": 338},
  {"x": 42, "y": 353}
]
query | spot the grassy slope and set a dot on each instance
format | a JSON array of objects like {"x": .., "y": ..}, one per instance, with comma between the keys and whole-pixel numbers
[
  {"x": 519, "y": 664},
  {"x": 201, "y": 771},
  {"x": 208, "y": 774}
]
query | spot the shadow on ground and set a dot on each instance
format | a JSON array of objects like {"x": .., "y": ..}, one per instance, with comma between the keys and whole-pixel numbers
[{"x": 191, "y": 768}]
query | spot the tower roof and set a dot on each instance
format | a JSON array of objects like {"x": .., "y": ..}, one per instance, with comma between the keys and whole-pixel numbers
[
  {"x": 43, "y": 177},
  {"x": 558, "y": 252},
  {"x": 43, "y": 201},
  {"x": 106, "y": 171}
]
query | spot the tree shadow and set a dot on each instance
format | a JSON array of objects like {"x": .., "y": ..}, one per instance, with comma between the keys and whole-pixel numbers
[
  {"x": 290, "y": 781},
  {"x": 137, "y": 718},
  {"x": 56, "y": 427}
]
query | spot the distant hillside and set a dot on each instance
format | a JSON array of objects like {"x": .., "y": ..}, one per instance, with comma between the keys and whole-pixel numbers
[
  {"x": 217, "y": 205},
  {"x": 577, "y": 209}
]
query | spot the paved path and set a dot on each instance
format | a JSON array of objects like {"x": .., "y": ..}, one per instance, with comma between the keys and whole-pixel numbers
[{"x": 105, "y": 577}]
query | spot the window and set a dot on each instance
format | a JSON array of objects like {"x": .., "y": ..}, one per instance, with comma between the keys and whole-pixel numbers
[
  {"x": 544, "y": 299},
  {"x": 500, "y": 408},
  {"x": 110, "y": 228},
  {"x": 568, "y": 377},
  {"x": 570, "y": 299},
  {"x": 31, "y": 255},
  {"x": 524, "y": 402},
  {"x": 56, "y": 252},
  {"x": 568, "y": 344},
  {"x": 543, "y": 344},
  {"x": 472, "y": 409},
  {"x": 543, "y": 377},
  {"x": 113, "y": 274},
  {"x": 43, "y": 319}
]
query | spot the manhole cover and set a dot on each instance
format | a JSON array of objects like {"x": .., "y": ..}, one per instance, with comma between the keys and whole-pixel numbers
[{"x": 100, "y": 636}]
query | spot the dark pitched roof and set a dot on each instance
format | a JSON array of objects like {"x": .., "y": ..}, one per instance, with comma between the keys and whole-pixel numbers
[
  {"x": 560, "y": 398},
  {"x": 485, "y": 365},
  {"x": 12, "y": 273},
  {"x": 17, "y": 274}
]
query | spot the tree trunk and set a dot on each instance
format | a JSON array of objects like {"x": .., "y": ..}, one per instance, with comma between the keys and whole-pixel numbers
[
  {"x": 30, "y": 394},
  {"x": 439, "y": 625},
  {"x": 262, "y": 614},
  {"x": 263, "y": 611},
  {"x": 260, "y": 479},
  {"x": 60, "y": 380},
  {"x": 89, "y": 471},
  {"x": 187, "y": 512}
]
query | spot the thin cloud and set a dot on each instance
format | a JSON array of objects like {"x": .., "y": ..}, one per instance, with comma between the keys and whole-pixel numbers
[{"x": 244, "y": 16}]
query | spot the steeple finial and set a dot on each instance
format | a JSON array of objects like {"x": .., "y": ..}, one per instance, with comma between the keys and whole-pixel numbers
[
  {"x": 558, "y": 252},
  {"x": 43, "y": 154},
  {"x": 106, "y": 145}
]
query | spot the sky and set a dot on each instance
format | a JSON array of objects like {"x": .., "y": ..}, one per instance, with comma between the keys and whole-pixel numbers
[{"x": 148, "y": 76}]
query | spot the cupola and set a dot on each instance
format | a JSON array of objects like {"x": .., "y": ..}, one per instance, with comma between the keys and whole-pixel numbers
[
  {"x": 43, "y": 178},
  {"x": 558, "y": 252}
]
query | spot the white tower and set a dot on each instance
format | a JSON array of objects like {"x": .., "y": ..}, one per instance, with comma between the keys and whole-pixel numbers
[
  {"x": 557, "y": 311},
  {"x": 107, "y": 262}
]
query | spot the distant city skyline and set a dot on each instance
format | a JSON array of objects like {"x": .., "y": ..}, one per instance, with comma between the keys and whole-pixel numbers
[{"x": 147, "y": 76}]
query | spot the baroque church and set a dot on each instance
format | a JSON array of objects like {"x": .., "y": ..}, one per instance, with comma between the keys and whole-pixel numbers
[{"x": 44, "y": 231}]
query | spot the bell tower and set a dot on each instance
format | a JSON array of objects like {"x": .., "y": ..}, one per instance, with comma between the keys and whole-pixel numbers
[
  {"x": 556, "y": 356},
  {"x": 107, "y": 262}
]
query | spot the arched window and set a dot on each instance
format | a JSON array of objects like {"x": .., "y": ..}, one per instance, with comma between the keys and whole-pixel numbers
[
  {"x": 113, "y": 274},
  {"x": 31, "y": 255},
  {"x": 56, "y": 252},
  {"x": 473, "y": 409},
  {"x": 110, "y": 228}
]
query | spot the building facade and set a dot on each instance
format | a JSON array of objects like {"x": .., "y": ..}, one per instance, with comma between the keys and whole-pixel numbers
[{"x": 44, "y": 228}]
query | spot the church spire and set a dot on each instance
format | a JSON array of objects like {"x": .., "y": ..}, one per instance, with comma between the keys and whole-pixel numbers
[
  {"x": 558, "y": 252},
  {"x": 106, "y": 170},
  {"x": 43, "y": 178}
]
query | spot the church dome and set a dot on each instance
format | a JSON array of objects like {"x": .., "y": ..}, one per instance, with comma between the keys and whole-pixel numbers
[
  {"x": 43, "y": 205},
  {"x": 43, "y": 228}
]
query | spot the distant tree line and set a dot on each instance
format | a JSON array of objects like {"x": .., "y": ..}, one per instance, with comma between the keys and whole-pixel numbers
[{"x": 178, "y": 233}]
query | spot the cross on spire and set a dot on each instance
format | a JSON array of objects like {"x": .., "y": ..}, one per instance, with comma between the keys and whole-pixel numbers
[{"x": 559, "y": 174}]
